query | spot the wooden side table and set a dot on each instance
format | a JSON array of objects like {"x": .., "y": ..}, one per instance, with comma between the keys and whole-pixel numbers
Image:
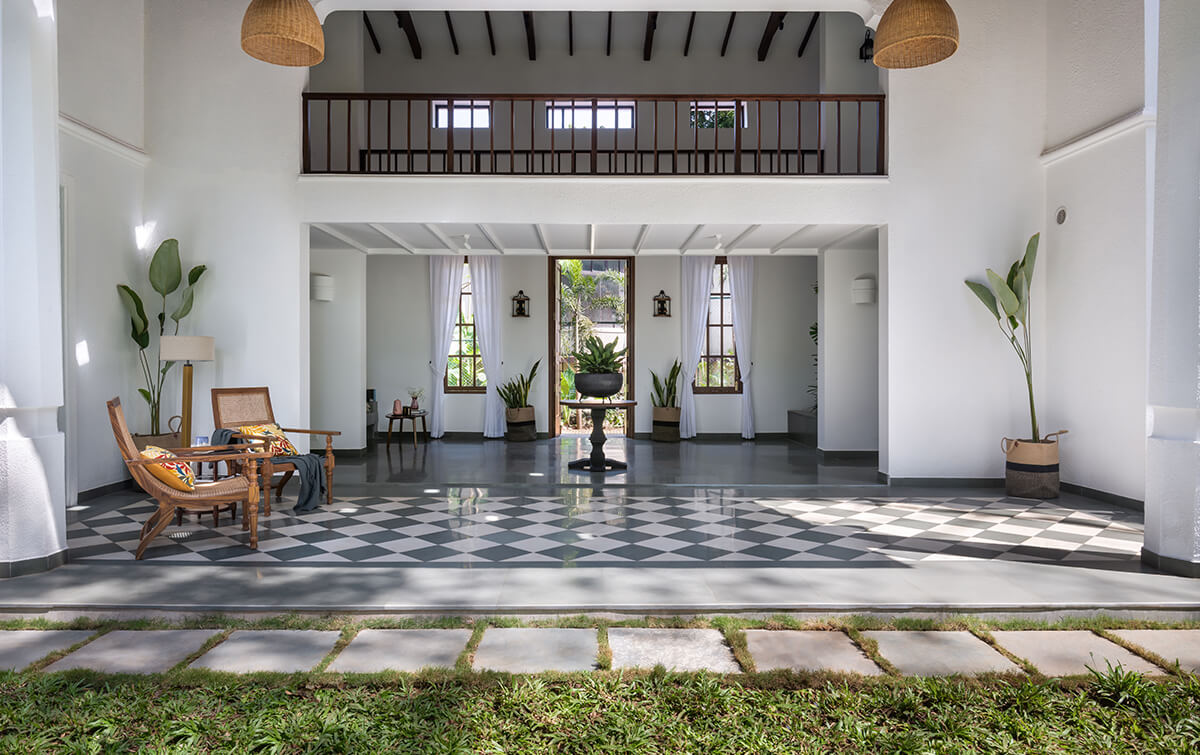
[{"x": 419, "y": 414}]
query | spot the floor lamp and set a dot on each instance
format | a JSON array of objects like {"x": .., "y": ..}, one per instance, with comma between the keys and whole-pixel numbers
[{"x": 186, "y": 349}]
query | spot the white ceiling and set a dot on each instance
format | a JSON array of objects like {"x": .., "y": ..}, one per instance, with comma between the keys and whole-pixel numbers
[{"x": 582, "y": 239}]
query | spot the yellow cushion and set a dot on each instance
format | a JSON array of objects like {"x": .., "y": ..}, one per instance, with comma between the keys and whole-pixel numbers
[
  {"x": 176, "y": 474},
  {"x": 279, "y": 444}
]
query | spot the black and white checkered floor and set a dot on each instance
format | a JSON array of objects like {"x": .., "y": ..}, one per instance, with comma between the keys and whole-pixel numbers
[{"x": 470, "y": 528}]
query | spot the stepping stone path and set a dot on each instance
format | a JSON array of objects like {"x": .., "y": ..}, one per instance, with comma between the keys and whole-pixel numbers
[
  {"x": 527, "y": 651},
  {"x": 402, "y": 650},
  {"x": 269, "y": 650},
  {"x": 808, "y": 651},
  {"x": 21, "y": 648},
  {"x": 1181, "y": 645},
  {"x": 940, "y": 653},
  {"x": 675, "y": 649},
  {"x": 1071, "y": 652},
  {"x": 532, "y": 650},
  {"x": 135, "y": 652}
]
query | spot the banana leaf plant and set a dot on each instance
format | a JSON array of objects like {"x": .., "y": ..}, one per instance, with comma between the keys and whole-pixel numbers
[
  {"x": 1008, "y": 300},
  {"x": 666, "y": 392},
  {"x": 166, "y": 276},
  {"x": 515, "y": 393}
]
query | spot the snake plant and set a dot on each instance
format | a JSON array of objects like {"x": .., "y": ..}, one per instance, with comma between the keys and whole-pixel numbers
[
  {"x": 597, "y": 357},
  {"x": 515, "y": 392},
  {"x": 666, "y": 391}
]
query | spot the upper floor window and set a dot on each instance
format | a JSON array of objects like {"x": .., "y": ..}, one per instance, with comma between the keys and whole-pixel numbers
[
  {"x": 464, "y": 370},
  {"x": 611, "y": 114},
  {"x": 466, "y": 115},
  {"x": 718, "y": 370},
  {"x": 718, "y": 115}
]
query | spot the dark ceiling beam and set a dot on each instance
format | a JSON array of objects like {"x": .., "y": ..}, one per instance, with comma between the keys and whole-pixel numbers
[
  {"x": 371, "y": 32},
  {"x": 651, "y": 25},
  {"x": 530, "y": 40},
  {"x": 571, "y": 33},
  {"x": 687, "y": 43},
  {"x": 774, "y": 24},
  {"x": 808, "y": 34},
  {"x": 450, "y": 28},
  {"x": 728, "y": 31},
  {"x": 487, "y": 19},
  {"x": 608, "y": 44},
  {"x": 405, "y": 21}
]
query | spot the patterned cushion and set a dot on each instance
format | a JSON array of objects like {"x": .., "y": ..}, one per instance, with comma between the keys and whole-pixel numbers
[
  {"x": 176, "y": 474},
  {"x": 279, "y": 444}
]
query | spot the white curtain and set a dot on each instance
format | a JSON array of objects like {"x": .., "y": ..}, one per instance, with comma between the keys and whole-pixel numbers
[
  {"x": 741, "y": 290},
  {"x": 485, "y": 290},
  {"x": 445, "y": 285},
  {"x": 695, "y": 290}
]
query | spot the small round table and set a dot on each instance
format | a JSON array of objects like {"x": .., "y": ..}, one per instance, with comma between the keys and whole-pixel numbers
[
  {"x": 598, "y": 463},
  {"x": 412, "y": 416}
]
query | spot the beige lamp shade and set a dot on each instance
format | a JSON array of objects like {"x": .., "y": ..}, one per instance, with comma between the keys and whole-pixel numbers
[
  {"x": 186, "y": 349},
  {"x": 283, "y": 32},
  {"x": 915, "y": 33}
]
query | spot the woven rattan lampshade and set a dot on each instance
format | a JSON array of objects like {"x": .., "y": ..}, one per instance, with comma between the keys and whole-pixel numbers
[
  {"x": 283, "y": 32},
  {"x": 914, "y": 33}
]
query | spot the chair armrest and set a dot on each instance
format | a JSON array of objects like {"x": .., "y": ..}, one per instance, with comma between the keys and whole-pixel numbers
[
  {"x": 190, "y": 449},
  {"x": 310, "y": 432},
  {"x": 200, "y": 458}
]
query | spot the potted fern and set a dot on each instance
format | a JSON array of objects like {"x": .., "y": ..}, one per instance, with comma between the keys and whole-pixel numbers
[
  {"x": 598, "y": 368},
  {"x": 665, "y": 398},
  {"x": 1031, "y": 469},
  {"x": 522, "y": 423}
]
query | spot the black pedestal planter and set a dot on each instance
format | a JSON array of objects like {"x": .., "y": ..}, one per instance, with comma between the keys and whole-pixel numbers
[{"x": 599, "y": 384}]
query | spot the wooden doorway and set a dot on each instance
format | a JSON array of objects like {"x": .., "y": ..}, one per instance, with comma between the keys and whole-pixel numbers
[{"x": 582, "y": 288}]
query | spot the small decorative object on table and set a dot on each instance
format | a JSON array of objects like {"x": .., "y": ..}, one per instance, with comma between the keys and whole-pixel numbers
[
  {"x": 415, "y": 394},
  {"x": 398, "y": 407}
]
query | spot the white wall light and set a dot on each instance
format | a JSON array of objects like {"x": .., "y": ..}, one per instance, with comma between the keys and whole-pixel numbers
[
  {"x": 862, "y": 290},
  {"x": 320, "y": 287},
  {"x": 81, "y": 353},
  {"x": 142, "y": 234}
]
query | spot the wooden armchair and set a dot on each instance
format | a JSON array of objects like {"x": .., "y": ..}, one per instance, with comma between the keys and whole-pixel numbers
[
  {"x": 236, "y": 407},
  {"x": 240, "y": 489}
]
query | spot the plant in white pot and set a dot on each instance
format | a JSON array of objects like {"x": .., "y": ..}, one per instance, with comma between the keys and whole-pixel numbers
[
  {"x": 665, "y": 398},
  {"x": 1031, "y": 469},
  {"x": 522, "y": 423},
  {"x": 598, "y": 368}
]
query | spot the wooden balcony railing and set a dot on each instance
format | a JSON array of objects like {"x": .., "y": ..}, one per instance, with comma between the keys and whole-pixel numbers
[{"x": 600, "y": 135}]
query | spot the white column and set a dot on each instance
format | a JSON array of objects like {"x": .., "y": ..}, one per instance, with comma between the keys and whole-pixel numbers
[
  {"x": 1172, "y": 541},
  {"x": 32, "y": 468}
]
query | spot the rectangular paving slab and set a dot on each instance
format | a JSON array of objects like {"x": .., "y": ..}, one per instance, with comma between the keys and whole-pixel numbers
[
  {"x": 19, "y": 648},
  {"x": 285, "y": 650},
  {"x": 1181, "y": 645},
  {"x": 675, "y": 649},
  {"x": 527, "y": 651},
  {"x": 1070, "y": 652},
  {"x": 808, "y": 651},
  {"x": 401, "y": 650},
  {"x": 940, "y": 653},
  {"x": 149, "y": 651}
]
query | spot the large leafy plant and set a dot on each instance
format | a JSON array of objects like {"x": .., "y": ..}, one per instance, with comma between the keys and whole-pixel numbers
[
  {"x": 515, "y": 392},
  {"x": 666, "y": 392},
  {"x": 596, "y": 357},
  {"x": 166, "y": 276},
  {"x": 1008, "y": 300}
]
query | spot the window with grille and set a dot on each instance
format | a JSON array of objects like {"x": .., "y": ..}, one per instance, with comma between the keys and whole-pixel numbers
[
  {"x": 609, "y": 114},
  {"x": 718, "y": 370},
  {"x": 464, "y": 370},
  {"x": 718, "y": 115},
  {"x": 466, "y": 115}
]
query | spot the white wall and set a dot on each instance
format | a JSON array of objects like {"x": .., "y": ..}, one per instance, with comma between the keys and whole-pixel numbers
[
  {"x": 338, "y": 356},
  {"x": 848, "y": 382},
  {"x": 101, "y": 65}
]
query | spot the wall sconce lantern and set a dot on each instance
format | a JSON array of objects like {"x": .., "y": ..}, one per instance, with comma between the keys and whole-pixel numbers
[
  {"x": 520, "y": 305},
  {"x": 867, "y": 51},
  {"x": 662, "y": 304}
]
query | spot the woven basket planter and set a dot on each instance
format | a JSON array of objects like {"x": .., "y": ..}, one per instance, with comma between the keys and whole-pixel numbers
[
  {"x": 522, "y": 424},
  {"x": 1031, "y": 469},
  {"x": 666, "y": 424}
]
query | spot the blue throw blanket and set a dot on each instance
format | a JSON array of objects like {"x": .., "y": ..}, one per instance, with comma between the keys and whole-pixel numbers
[{"x": 309, "y": 469}]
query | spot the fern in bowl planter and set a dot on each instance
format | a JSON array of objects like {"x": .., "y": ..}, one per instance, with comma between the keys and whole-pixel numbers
[
  {"x": 1031, "y": 470},
  {"x": 665, "y": 398},
  {"x": 522, "y": 424},
  {"x": 598, "y": 368}
]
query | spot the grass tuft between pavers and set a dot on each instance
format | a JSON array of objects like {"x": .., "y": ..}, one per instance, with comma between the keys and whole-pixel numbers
[{"x": 628, "y": 712}]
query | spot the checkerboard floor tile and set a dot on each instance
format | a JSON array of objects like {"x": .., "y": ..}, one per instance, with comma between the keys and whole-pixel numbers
[{"x": 614, "y": 529}]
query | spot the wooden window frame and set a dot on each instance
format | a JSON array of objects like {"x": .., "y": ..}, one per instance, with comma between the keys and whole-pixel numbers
[
  {"x": 707, "y": 353},
  {"x": 476, "y": 359}
]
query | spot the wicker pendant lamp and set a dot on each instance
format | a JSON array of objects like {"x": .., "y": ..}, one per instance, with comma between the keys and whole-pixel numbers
[
  {"x": 283, "y": 32},
  {"x": 914, "y": 33}
]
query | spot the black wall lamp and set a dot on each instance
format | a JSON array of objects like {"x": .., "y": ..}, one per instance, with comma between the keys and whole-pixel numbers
[
  {"x": 867, "y": 51},
  {"x": 520, "y": 305},
  {"x": 662, "y": 304}
]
